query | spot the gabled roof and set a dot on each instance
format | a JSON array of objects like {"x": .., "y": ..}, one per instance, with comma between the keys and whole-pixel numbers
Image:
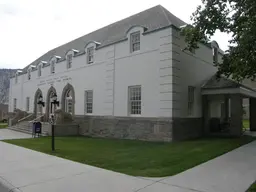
[
  {"x": 222, "y": 83},
  {"x": 153, "y": 19}
]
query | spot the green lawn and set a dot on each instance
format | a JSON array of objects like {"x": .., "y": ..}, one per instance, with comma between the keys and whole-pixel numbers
[
  {"x": 252, "y": 188},
  {"x": 3, "y": 125},
  {"x": 246, "y": 123},
  {"x": 136, "y": 158}
]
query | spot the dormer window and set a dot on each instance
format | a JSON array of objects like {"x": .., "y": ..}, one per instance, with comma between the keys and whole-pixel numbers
[
  {"x": 215, "y": 55},
  {"x": 75, "y": 51},
  {"x": 39, "y": 70},
  {"x": 135, "y": 41},
  {"x": 29, "y": 74},
  {"x": 90, "y": 54},
  {"x": 16, "y": 75},
  {"x": 57, "y": 58},
  {"x": 52, "y": 66},
  {"x": 69, "y": 60}
]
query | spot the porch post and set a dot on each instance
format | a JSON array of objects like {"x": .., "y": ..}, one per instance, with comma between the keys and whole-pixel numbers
[
  {"x": 252, "y": 114},
  {"x": 236, "y": 124},
  {"x": 226, "y": 107},
  {"x": 205, "y": 115}
]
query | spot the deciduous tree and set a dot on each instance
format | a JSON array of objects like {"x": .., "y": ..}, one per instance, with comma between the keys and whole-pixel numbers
[{"x": 235, "y": 17}]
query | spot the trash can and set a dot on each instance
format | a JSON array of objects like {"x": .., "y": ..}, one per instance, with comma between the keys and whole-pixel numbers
[{"x": 38, "y": 128}]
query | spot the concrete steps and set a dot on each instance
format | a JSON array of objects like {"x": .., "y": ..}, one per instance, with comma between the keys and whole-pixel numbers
[{"x": 26, "y": 127}]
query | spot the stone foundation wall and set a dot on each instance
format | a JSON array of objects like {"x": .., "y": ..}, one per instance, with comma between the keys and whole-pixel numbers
[
  {"x": 187, "y": 128},
  {"x": 150, "y": 129},
  {"x": 63, "y": 130}
]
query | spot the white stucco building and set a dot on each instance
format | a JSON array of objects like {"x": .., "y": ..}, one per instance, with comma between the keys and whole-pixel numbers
[{"x": 131, "y": 79}]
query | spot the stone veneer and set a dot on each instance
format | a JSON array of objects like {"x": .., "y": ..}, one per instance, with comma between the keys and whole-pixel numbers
[
  {"x": 68, "y": 129},
  {"x": 150, "y": 129}
]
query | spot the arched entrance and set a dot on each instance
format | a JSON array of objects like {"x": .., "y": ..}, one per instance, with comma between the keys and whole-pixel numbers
[
  {"x": 38, "y": 109},
  {"x": 68, "y": 99},
  {"x": 50, "y": 93}
]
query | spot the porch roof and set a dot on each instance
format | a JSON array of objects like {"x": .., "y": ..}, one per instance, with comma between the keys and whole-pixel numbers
[{"x": 224, "y": 85}]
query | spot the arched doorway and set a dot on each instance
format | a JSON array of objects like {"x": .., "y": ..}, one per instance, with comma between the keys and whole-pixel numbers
[
  {"x": 38, "y": 109},
  {"x": 50, "y": 93},
  {"x": 68, "y": 99}
]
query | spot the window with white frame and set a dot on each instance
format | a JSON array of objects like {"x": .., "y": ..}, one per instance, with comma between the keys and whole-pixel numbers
[
  {"x": 53, "y": 66},
  {"x": 135, "y": 41},
  {"x": 39, "y": 70},
  {"x": 90, "y": 55},
  {"x": 191, "y": 99},
  {"x": 69, "y": 102},
  {"x": 69, "y": 60},
  {"x": 215, "y": 55},
  {"x": 39, "y": 106},
  {"x": 14, "y": 104},
  {"x": 134, "y": 95},
  {"x": 27, "y": 104},
  {"x": 16, "y": 78},
  {"x": 29, "y": 74},
  {"x": 88, "y": 101}
]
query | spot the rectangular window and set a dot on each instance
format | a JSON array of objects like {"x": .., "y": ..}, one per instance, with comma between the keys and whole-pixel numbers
[
  {"x": 90, "y": 52},
  {"x": 134, "y": 95},
  {"x": 191, "y": 99},
  {"x": 215, "y": 55},
  {"x": 88, "y": 101},
  {"x": 69, "y": 61},
  {"x": 29, "y": 74},
  {"x": 53, "y": 67},
  {"x": 14, "y": 104},
  {"x": 135, "y": 41},
  {"x": 69, "y": 105},
  {"x": 27, "y": 104},
  {"x": 39, "y": 71}
]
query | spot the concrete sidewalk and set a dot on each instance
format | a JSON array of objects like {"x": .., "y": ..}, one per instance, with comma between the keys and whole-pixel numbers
[
  {"x": 10, "y": 134},
  {"x": 24, "y": 170},
  {"x": 232, "y": 172},
  {"x": 30, "y": 171}
]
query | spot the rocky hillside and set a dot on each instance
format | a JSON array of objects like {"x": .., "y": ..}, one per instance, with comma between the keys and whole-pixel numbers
[{"x": 5, "y": 84}]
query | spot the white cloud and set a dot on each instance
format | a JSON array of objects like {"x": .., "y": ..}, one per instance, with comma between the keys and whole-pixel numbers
[{"x": 29, "y": 28}]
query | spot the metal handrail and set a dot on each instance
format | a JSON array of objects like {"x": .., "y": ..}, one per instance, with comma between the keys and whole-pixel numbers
[
  {"x": 24, "y": 118},
  {"x": 36, "y": 118}
]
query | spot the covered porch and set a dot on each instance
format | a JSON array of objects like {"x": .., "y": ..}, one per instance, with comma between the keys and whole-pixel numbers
[{"x": 222, "y": 102}]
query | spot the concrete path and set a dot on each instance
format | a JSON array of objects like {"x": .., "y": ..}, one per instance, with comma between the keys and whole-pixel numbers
[
  {"x": 29, "y": 171},
  {"x": 10, "y": 134},
  {"x": 232, "y": 172},
  {"x": 250, "y": 133},
  {"x": 24, "y": 170}
]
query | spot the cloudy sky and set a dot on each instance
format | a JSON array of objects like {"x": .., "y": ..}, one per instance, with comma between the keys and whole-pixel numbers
[{"x": 29, "y": 28}]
